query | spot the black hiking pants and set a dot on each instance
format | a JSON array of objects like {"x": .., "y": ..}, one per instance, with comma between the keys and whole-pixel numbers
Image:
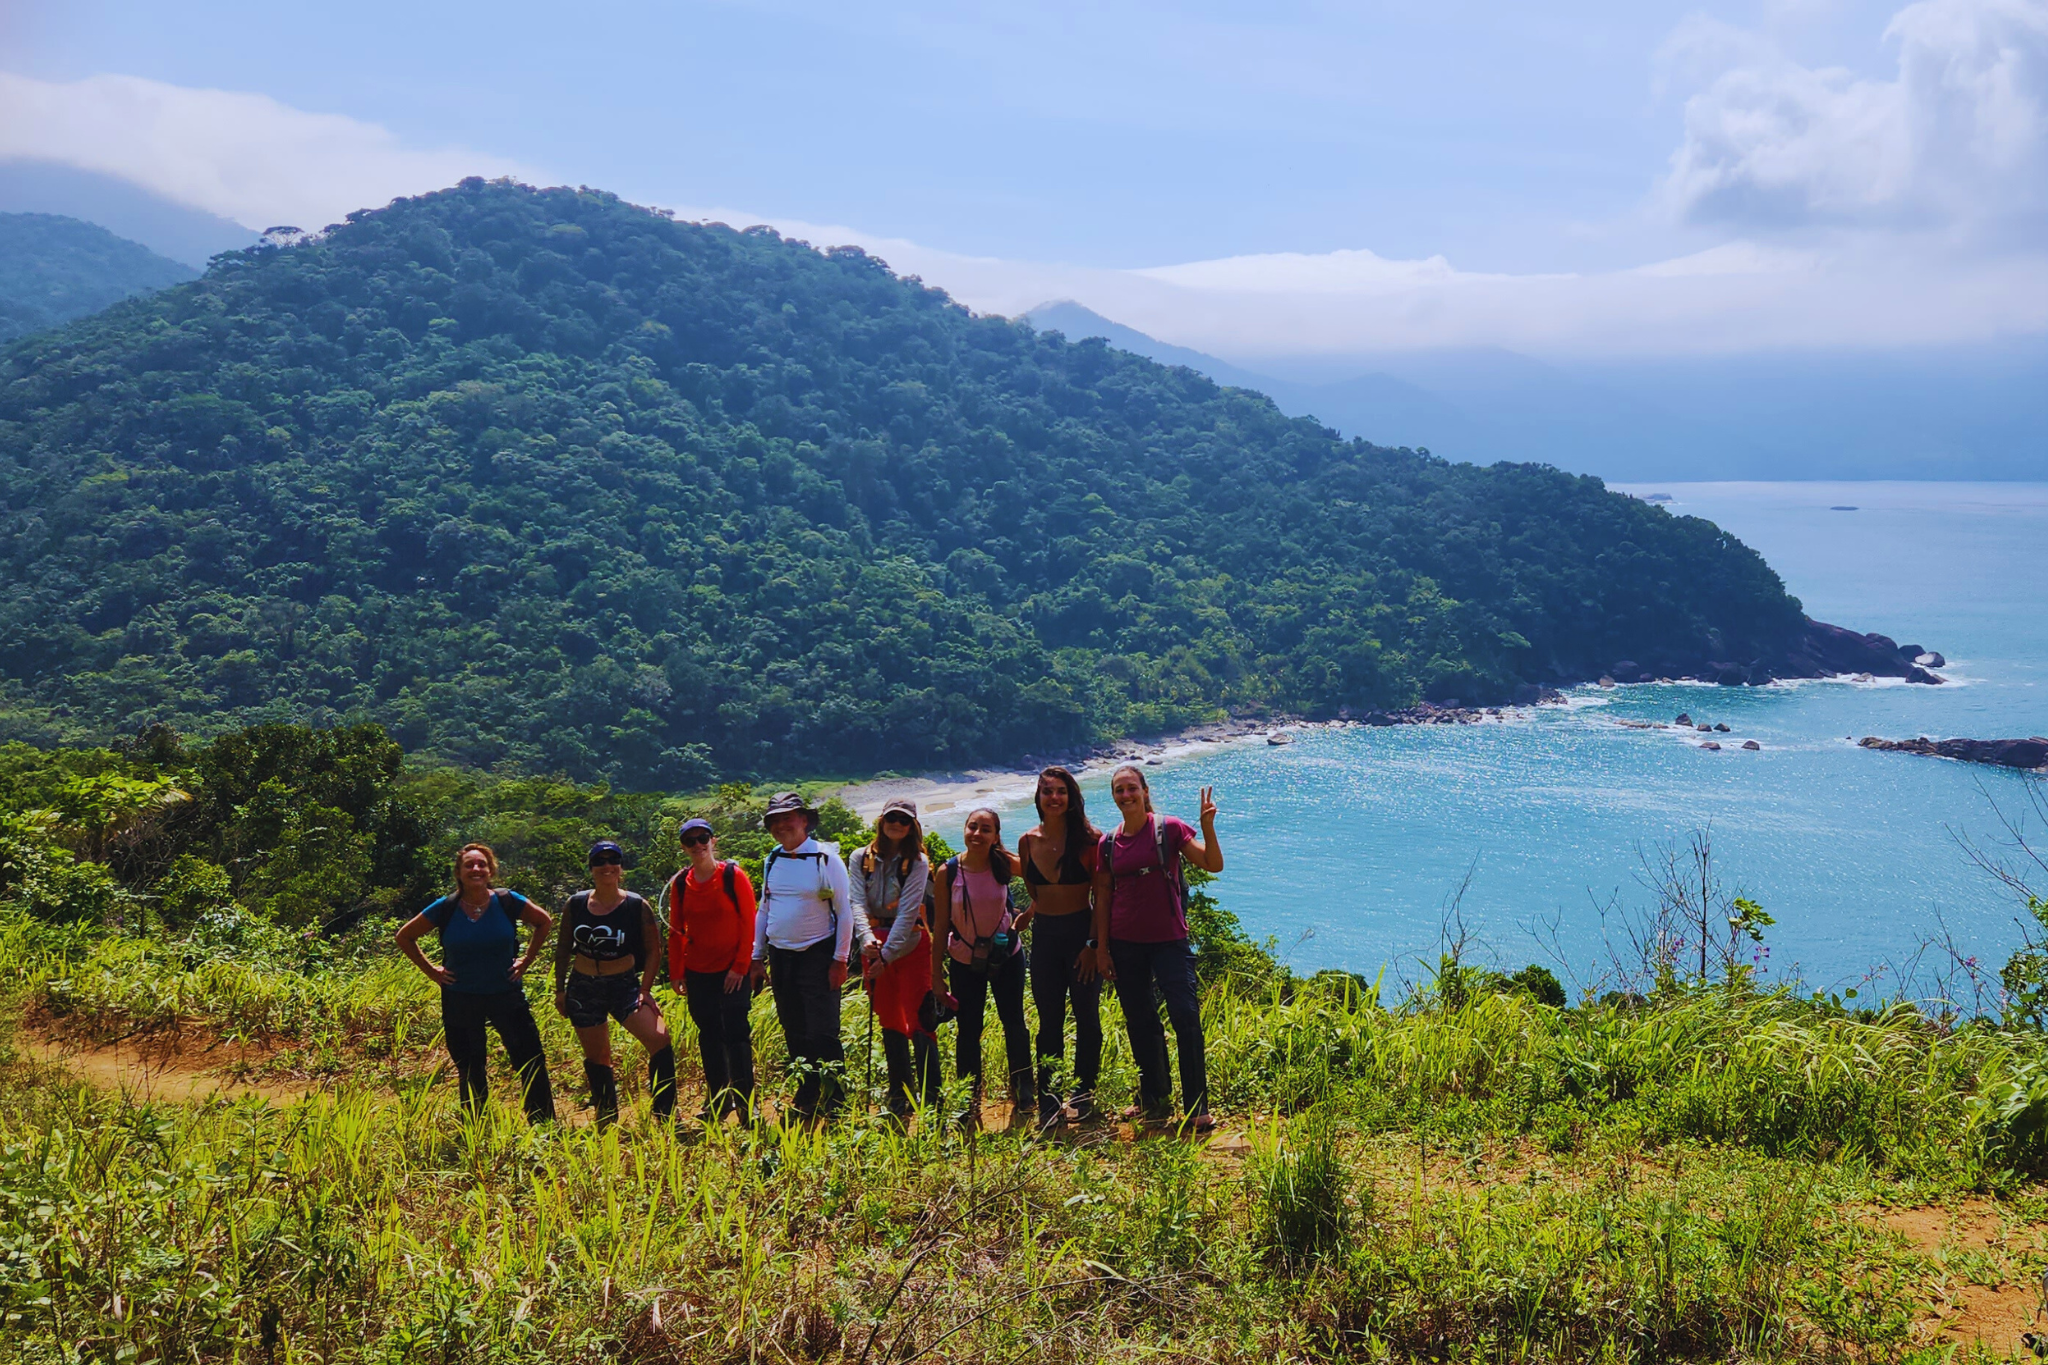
[
  {"x": 726, "y": 1040},
  {"x": 808, "y": 1008},
  {"x": 1056, "y": 941},
  {"x": 1005, "y": 981},
  {"x": 465, "y": 1019},
  {"x": 1144, "y": 973}
]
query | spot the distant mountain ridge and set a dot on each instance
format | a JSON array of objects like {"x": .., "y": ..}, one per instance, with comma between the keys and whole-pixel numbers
[
  {"x": 54, "y": 269},
  {"x": 185, "y": 234},
  {"x": 1941, "y": 412}
]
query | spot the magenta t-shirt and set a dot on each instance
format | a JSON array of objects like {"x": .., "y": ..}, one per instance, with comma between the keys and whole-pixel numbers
[{"x": 1144, "y": 906}]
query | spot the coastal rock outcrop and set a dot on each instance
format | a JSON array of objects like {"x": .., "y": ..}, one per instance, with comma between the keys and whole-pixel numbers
[
  {"x": 2004, "y": 753},
  {"x": 1822, "y": 650}
]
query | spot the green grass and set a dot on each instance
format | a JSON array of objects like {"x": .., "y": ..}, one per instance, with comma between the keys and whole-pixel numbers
[{"x": 1697, "y": 1178}]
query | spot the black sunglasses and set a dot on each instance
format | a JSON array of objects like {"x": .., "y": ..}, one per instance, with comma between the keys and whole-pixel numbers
[
  {"x": 696, "y": 837},
  {"x": 895, "y": 818},
  {"x": 608, "y": 860}
]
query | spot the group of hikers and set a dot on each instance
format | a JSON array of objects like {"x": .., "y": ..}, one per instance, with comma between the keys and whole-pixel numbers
[{"x": 931, "y": 944}]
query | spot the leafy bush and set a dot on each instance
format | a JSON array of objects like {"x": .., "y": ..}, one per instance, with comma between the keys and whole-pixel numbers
[{"x": 1303, "y": 1194}]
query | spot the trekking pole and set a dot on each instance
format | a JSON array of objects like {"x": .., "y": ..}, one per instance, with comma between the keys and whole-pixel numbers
[{"x": 870, "y": 1059}]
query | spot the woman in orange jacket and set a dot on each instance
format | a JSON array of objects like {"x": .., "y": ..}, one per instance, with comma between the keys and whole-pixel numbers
[{"x": 710, "y": 907}]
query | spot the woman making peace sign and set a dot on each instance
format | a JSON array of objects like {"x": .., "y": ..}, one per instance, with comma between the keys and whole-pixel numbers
[{"x": 1141, "y": 929}]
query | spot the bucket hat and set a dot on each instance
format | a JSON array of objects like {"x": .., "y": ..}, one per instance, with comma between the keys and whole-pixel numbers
[{"x": 785, "y": 803}]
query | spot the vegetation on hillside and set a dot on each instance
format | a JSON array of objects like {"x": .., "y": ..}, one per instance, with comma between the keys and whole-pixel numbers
[
  {"x": 1476, "y": 1170},
  {"x": 540, "y": 478},
  {"x": 54, "y": 269}
]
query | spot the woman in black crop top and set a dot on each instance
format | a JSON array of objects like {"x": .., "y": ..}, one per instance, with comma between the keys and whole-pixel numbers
[
  {"x": 605, "y": 959},
  {"x": 1059, "y": 868}
]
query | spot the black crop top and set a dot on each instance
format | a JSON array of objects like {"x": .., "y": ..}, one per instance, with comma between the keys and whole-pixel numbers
[
  {"x": 1073, "y": 871},
  {"x": 609, "y": 937}
]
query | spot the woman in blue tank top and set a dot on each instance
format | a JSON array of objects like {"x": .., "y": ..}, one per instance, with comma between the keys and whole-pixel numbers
[{"x": 482, "y": 977}]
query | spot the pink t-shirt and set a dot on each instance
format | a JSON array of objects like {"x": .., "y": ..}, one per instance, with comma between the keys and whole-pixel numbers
[
  {"x": 981, "y": 908},
  {"x": 1145, "y": 907}
]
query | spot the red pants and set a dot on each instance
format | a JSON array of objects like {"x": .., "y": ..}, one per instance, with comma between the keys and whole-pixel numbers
[{"x": 896, "y": 989}]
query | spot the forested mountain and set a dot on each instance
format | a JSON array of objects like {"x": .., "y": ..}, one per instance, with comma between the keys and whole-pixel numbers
[
  {"x": 53, "y": 269},
  {"x": 542, "y": 478}
]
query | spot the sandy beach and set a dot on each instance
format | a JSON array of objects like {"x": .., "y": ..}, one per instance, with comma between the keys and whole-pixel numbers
[{"x": 938, "y": 794}]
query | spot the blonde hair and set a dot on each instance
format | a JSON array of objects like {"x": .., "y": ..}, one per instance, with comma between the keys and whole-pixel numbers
[
  {"x": 1138, "y": 773},
  {"x": 490, "y": 859}
]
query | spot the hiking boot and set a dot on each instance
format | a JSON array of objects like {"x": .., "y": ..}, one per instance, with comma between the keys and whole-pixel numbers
[
  {"x": 1079, "y": 1108},
  {"x": 604, "y": 1093}
]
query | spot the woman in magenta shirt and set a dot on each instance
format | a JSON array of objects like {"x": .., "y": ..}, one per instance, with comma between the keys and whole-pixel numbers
[{"x": 1141, "y": 935}]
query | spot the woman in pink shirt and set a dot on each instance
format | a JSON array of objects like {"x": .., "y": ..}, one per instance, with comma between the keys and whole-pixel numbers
[
  {"x": 1141, "y": 935},
  {"x": 984, "y": 958}
]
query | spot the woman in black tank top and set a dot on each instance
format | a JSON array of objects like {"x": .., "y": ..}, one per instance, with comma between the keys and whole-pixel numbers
[
  {"x": 605, "y": 960},
  {"x": 1059, "y": 869}
]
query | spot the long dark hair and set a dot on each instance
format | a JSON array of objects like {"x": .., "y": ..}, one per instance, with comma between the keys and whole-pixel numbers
[
  {"x": 1001, "y": 861},
  {"x": 1080, "y": 831}
]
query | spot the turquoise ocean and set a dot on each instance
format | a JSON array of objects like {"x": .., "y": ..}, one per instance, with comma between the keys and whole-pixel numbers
[{"x": 1348, "y": 846}]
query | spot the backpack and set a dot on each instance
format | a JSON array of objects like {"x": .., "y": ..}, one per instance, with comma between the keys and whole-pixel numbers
[
  {"x": 669, "y": 893},
  {"x": 497, "y": 902},
  {"x": 928, "y": 906},
  {"x": 824, "y": 886},
  {"x": 1176, "y": 880}
]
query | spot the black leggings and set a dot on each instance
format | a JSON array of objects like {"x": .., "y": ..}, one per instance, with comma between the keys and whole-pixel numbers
[
  {"x": 809, "y": 1010},
  {"x": 727, "y": 1041},
  {"x": 1004, "y": 981},
  {"x": 1056, "y": 941},
  {"x": 464, "y": 1019}
]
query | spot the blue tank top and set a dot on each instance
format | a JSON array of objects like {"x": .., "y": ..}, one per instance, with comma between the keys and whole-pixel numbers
[{"x": 480, "y": 951}]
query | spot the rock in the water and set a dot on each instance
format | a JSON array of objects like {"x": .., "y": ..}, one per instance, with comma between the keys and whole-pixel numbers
[
  {"x": 2004, "y": 753},
  {"x": 1722, "y": 726},
  {"x": 1683, "y": 719},
  {"x": 1912, "y": 652},
  {"x": 1703, "y": 726},
  {"x": 1711, "y": 745},
  {"x": 1931, "y": 659},
  {"x": 1751, "y": 745},
  {"x": 1824, "y": 650},
  {"x": 1606, "y": 681}
]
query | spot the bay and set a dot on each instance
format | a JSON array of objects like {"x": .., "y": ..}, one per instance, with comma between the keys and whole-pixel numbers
[{"x": 1349, "y": 846}]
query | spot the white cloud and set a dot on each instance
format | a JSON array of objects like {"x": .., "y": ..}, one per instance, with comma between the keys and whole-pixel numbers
[
  {"x": 1861, "y": 290},
  {"x": 242, "y": 156},
  {"x": 251, "y": 158},
  {"x": 1958, "y": 140}
]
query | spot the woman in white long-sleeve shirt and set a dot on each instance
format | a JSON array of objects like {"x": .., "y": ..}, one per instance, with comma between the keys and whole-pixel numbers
[
  {"x": 804, "y": 933},
  {"x": 888, "y": 878}
]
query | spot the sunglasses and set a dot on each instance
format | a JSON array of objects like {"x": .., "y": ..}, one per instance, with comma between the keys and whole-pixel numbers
[
  {"x": 695, "y": 837},
  {"x": 608, "y": 860},
  {"x": 894, "y": 819}
]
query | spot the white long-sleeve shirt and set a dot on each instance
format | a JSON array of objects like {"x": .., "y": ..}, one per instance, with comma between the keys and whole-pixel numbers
[{"x": 804, "y": 901}]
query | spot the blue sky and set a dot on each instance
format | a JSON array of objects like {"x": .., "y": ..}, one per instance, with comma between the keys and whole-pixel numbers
[{"x": 1246, "y": 178}]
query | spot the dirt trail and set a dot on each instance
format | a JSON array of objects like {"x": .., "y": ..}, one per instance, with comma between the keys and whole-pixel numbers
[
  {"x": 160, "y": 1068},
  {"x": 1975, "y": 1236}
]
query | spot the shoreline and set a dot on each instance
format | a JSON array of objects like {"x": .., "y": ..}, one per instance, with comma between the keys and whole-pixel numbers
[{"x": 947, "y": 793}]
